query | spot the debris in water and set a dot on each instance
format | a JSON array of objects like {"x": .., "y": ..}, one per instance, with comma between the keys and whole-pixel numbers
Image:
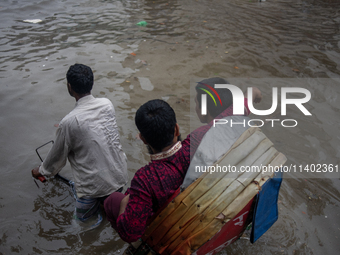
[
  {"x": 236, "y": 67},
  {"x": 133, "y": 54},
  {"x": 142, "y": 23},
  {"x": 145, "y": 83},
  {"x": 34, "y": 21}
]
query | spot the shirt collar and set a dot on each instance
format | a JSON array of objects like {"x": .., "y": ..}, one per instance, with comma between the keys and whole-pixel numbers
[
  {"x": 168, "y": 153},
  {"x": 84, "y": 100}
]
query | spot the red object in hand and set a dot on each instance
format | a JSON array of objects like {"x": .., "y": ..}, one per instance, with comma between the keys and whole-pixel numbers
[{"x": 42, "y": 178}]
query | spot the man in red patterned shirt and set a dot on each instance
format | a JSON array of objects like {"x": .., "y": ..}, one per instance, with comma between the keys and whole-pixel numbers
[{"x": 155, "y": 183}]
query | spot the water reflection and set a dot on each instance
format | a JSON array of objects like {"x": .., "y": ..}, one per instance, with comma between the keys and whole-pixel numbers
[{"x": 184, "y": 39}]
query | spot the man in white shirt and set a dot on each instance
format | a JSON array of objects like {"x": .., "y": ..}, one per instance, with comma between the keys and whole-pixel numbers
[{"x": 88, "y": 136}]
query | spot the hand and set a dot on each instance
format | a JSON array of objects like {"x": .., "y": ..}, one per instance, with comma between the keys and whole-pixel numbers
[
  {"x": 257, "y": 95},
  {"x": 35, "y": 173}
]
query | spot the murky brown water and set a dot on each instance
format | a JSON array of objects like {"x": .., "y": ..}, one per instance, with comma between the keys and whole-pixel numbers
[{"x": 184, "y": 40}]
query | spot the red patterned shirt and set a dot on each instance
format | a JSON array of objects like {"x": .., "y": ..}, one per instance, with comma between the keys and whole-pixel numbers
[{"x": 151, "y": 187}]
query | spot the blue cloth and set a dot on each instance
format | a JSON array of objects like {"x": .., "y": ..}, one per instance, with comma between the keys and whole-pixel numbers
[
  {"x": 86, "y": 207},
  {"x": 265, "y": 209}
]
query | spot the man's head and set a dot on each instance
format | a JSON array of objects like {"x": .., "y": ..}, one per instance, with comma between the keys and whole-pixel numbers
[
  {"x": 217, "y": 99},
  {"x": 80, "y": 79},
  {"x": 156, "y": 122}
]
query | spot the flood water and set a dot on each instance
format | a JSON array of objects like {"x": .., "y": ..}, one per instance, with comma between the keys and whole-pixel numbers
[{"x": 184, "y": 40}]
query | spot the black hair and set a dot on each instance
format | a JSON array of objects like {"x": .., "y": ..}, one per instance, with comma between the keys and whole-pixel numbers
[
  {"x": 80, "y": 77},
  {"x": 224, "y": 94},
  {"x": 156, "y": 122}
]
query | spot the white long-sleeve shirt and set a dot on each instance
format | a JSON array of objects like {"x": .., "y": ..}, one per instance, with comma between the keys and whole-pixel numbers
[{"x": 89, "y": 138}]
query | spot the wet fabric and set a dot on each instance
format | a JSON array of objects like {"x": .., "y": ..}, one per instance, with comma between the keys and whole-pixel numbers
[
  {"x": 265, "y": 209},
  {"x": 112, "y": 206},
  {"x": 88, "y": 136},
  {"x": 86, "y": 207}
]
